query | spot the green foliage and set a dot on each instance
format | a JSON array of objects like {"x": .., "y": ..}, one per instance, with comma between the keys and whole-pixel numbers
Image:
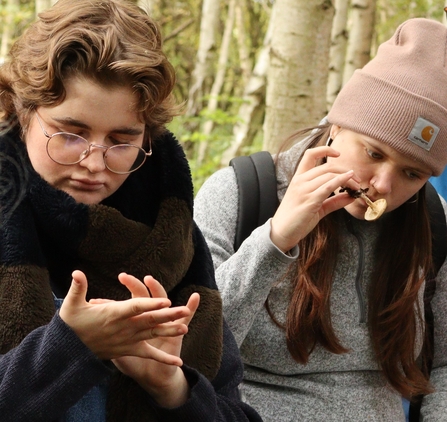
[
  {"x": 189, "y": 131},
  {"x": 22, "y": 14},
  {"x": 180, "y": 26},
  {"x": 390, "y": 14}
]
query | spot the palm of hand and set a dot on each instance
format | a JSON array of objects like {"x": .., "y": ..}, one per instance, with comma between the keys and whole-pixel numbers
[{"x": 150, "y": 372}]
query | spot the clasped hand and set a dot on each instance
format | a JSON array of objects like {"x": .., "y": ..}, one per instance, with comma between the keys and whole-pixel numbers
[{"x": 142, "y": 335}]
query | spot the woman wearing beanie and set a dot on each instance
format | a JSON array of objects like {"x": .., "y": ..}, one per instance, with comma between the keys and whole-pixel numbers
[
  {"x": 326, "y": 306},
  {"x": 91, "y": 180}
]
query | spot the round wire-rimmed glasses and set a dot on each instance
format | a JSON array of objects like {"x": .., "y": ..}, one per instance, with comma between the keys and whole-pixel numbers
[{"x": 68, "y": 148}]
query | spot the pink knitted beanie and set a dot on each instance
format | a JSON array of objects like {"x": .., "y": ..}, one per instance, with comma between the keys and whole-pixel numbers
[{"x": 400, "y": 96}]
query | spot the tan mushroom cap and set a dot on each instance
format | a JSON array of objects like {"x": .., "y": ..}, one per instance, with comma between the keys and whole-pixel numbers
[{"x": 375, "y": 210}]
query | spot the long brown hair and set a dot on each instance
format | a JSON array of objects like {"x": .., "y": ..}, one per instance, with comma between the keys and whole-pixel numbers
[{"x": 394, "y": 316}]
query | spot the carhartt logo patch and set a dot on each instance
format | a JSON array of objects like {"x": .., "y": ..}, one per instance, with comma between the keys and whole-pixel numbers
[{"x": 423, "y": 133}]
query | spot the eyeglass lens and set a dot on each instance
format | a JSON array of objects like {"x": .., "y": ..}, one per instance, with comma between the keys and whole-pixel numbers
[{"x": 67, "y": 149}]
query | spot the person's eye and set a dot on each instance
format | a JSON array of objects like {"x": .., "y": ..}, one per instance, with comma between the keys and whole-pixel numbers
[
  {"x": 412, "y": 175},
  {"x": 74, "y": 133},
  {"x": 374, "y": 155},
  {"x": 70, "y": 137},
  {"x": 120, "y": 140},
  {"x": 113, "y": 140}
]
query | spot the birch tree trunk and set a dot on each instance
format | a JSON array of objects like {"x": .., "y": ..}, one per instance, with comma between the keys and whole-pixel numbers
[
  {"x": 360, "y": 36},
  {"x": 205, "y": 54},
  {"x": 148, "y": 6},
  {"x": 219, "y": 79},
  {"x": 298, "y": 69},
  {"x": 430, "y": 9},
  {"x": 252, "y": 109},
  {"x": 241, "y": 38},
  {"x": 42, "y": 5},
  {"x": 339, "y": 41},
  {"x": 12, "y": 8}
]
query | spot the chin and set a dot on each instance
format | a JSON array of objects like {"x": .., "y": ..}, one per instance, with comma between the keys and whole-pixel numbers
[{"x": 85, "y": 198}]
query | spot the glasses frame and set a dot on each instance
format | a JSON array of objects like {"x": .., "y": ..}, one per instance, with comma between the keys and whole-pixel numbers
[{"x": 90, "y": 146}]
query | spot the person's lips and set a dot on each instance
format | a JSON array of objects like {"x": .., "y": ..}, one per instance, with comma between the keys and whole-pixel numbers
[{"x": 86, "y": 184}]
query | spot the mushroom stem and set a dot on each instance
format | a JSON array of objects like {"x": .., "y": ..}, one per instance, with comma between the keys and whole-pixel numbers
[{"x": 368, "y": 201}]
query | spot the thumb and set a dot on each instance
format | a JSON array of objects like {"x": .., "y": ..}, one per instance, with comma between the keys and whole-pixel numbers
[
  {"x": 75, "y": 297},
  {"x": 78, "y": 289}
]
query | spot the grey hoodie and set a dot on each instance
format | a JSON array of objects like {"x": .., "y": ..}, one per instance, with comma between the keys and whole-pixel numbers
[{"x": 346, "y": 387}]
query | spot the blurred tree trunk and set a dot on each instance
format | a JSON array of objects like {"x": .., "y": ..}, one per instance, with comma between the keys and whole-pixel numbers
[
  {"x": 241, "y": 38},
  {"x": 252, "y": 109},
  {"x": 12, "y": 8},
  {"x": 42, "y": 5},
  {"x": 209, "y": 24},
  {"x": 360, "y": 36},
  {"x": 337, "y": 55},
  {"x": 218, "y": 80},
  {"x": 148, "y": 6},
  {"x": 298, "y": 69}
]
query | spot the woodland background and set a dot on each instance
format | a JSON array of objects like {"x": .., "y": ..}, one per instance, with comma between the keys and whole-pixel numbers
[{"x": 250, "y": 72}]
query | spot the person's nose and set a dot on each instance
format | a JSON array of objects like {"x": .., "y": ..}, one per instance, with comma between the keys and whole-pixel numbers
[
  {"x": 94, "y": 161},
  {"x": 382, "y": 181}
]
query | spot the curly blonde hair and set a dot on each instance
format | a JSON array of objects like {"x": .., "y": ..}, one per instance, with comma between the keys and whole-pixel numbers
[{"x": 111, "y": 42}]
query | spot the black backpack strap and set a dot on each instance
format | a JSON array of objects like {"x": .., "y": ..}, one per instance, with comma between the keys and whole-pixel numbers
[
  {"x": 438, "y": 227},
  {"x": 258, "y": 199},
  {"x": 439, "y": 251}
]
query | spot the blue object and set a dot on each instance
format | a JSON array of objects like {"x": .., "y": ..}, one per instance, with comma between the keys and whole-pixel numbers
[
  {"x": 440, "y": 183},
  {"x": 406, "y": 405}
]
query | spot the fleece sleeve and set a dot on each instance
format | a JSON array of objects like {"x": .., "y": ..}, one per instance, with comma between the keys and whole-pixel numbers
[
  {"x": 434, "y": 406},
  {"x": 46, "y": 374},
  {"x": 216, "y": 401},
  {"x": 243, "y": 278}
]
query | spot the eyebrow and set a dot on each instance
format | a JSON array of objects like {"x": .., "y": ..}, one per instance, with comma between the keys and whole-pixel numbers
[{"x": 77, "y": 123}]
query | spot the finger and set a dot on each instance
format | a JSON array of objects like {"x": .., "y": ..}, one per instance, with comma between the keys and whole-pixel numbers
[
  {"x": 78, "y": 289},
  {"x": 75, "y": 298},
  {"x": 137, "y": 306},
  {"x": 135, "y": 286},
  {"x": 336, "y": 202},
  {"x": 162, "y": 357},
  {"x": 192, "y": 305},
  {"x": 325, "y": 170},
  {"x": 314, "y": 191},
  {"x": 146, "y": 351},
  {"x": 323, "y": 189},
  {"x": 352, "y": 184},
  {"x": 313, "y": 156},
  {"x": 163, "y": 330},
  {"x": 155, "y": 288},
  {"x": 162, "y": 316}
]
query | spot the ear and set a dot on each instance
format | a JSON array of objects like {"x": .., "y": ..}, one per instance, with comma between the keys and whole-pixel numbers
[{"x": 335, "y": 130}]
